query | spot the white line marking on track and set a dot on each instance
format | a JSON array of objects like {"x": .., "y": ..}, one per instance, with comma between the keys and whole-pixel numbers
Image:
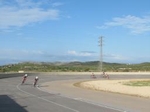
[
  {"x": 84, "y": 100},
  {"x": 46, "y": 99}
]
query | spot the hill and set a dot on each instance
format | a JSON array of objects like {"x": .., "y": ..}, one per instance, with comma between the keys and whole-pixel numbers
[{"x": 74, "y": 67}]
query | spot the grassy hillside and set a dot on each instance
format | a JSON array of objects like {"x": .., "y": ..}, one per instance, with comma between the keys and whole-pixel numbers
[{"x": 74, "y": 67}]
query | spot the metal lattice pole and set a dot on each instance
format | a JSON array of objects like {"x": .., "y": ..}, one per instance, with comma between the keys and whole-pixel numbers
[{"x": 101, "y": 53}]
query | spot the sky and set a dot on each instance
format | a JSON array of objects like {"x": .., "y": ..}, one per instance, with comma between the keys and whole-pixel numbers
[{"x": 70, "y": 30}]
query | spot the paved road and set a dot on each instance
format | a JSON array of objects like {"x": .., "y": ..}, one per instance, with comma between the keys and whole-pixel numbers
[{"x": 26, "y": 98}]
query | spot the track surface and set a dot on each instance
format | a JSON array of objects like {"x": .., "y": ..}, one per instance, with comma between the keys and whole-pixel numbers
[{"x": 26, "y": 98}]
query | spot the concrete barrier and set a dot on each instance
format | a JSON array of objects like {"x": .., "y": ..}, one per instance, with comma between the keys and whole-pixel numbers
[{"x": 9, "y": 75}]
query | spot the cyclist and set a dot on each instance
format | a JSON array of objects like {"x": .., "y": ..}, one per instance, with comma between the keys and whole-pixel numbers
[
  {"x": 24, "y": 78},
  {"x": 35, "y": 80}
]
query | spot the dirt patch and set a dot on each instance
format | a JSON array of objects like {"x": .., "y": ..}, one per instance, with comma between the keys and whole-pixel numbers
[{"x": 117, "y": 86}]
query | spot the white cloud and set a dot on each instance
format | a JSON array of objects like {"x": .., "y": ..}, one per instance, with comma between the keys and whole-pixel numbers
[
  {"x": 137, "y": 25},
  {"x": 24, "y": 12},
  {"x": 19, "y": 54},
  {"x": 14, "y": 56},
  {"x": 116, "y": 57},
  {"x": 8, "y": 56},
  {"x": 27, "y": 3},
  {"x": 56, "y": 4},
  {"x": 85, "y": 53}
]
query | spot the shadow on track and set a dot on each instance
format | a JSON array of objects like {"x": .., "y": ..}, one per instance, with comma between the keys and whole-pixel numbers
[{"x": 7, "y": 104}]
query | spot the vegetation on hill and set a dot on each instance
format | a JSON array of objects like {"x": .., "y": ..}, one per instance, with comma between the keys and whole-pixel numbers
[{"x": 92, "y": 66}]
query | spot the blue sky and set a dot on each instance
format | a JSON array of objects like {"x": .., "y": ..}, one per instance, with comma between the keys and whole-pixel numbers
[{"x": 69, "y": 30}]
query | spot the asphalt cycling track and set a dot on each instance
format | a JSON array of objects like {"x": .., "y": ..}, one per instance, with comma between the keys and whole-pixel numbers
[{"x": 15, "y": 97}]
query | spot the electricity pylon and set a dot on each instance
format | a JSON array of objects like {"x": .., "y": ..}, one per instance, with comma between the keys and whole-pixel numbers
[{"x": 101, "y": 53}]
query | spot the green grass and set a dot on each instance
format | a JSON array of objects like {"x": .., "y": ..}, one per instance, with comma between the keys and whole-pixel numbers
[{"x": 138, "y": 83}]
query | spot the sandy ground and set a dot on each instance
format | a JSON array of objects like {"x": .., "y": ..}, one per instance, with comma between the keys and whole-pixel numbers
[{"x": 117, "y": 87}]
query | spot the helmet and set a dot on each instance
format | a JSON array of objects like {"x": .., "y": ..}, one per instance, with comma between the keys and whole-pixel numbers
[{"x": 26, "y": 75}]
